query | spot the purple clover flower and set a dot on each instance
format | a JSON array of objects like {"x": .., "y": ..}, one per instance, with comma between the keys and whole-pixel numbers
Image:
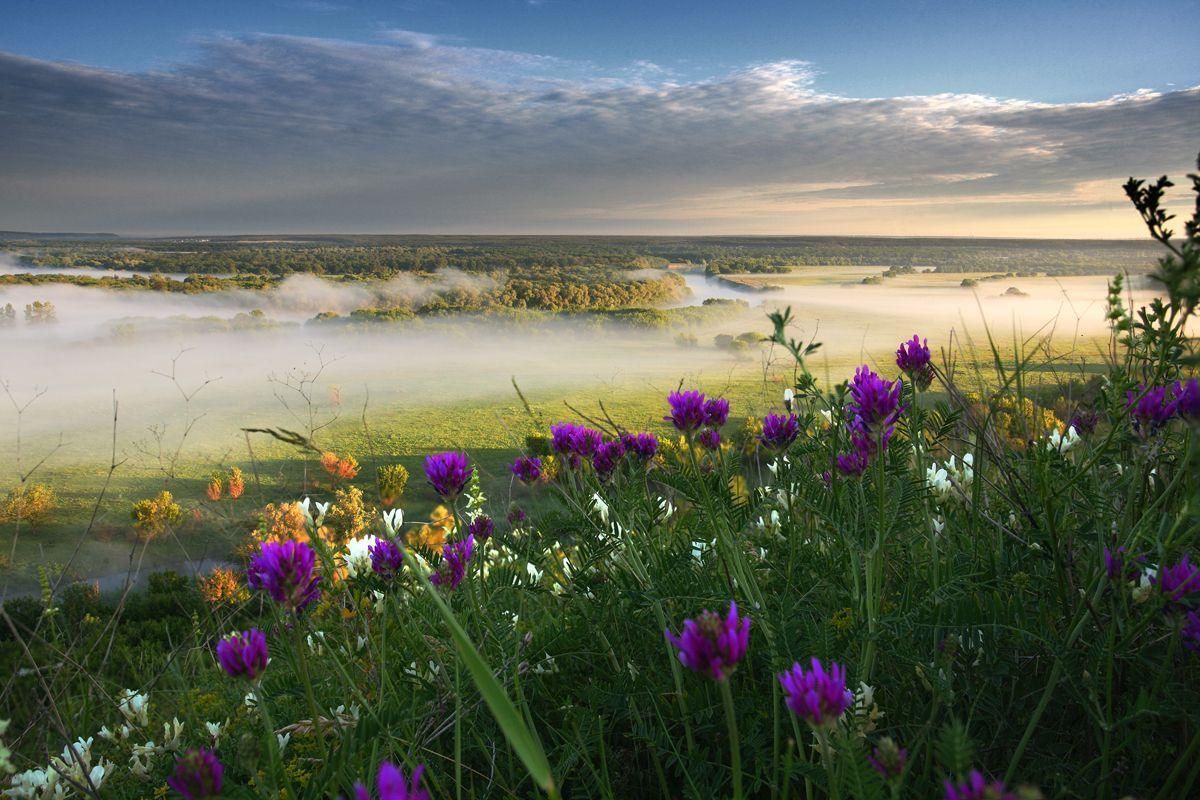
[
  {"x": 608, "y": 457},
  {"x": 687, "y": 410},
  {"x": 779, "y": 431},
  {"x": 1179, "y": 580},
  {"x": 568, "y": 438},
  {"x": 643, "y": 446},
  {"x": 1187, "y": 399},
  {"x": 243, "y": 655},
  {"x": 818, "y": 697},
  {"x": 284, "y": 570},
  {"x": 197, "y": 775},
  {"x": 1151, "y": 408},
  {"x": 448, "y": 473},
  {"x": 913, "y": 359},
  {"x": 716, "y": 412},
  {"x": 482, "y": 528},
  {"x": 561, "y": 436},
  {"x": 976, "y": 787},
  {"x": 1085, "y": 421},
  {"x": 1191, "y": 632},
  {"x": 392, "y": 785},
  {"x": 517, "y": 516},
  {"x": 709, "y": 439},
  {"x": 711, "y": 645},
  {"x": 528, "y": 469},
  {"x": 888, "y": 759},
  {"x": 455, "y": 556},
  {"x": 387, "y": 559},
  {"x": 874, "y": 401}
]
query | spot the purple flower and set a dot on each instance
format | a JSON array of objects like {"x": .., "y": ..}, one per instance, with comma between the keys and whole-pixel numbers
[
  {"x": 913, "y": 359},
  {"x": 197, "y": 775},
  {"x": 1085, "y": 421},
  {"x": 1114, "y": 562},
  {"x": 873, "y": 401},
  {"x": 976, "y": 787},
  {"x": 711, "y": 645},
  {"x": 517, "y": 516},
  {"x": 243, "y": 655},
  {"x": 642, "y": 445},
  {"x": 1151, "y": 409},
  {"x": 284, "y": 570},
  {"x": 392, "y": 785},
  {"x": 1191, "y": 632},
  {"x": 608, "y": 457},
  {"x": 482, "y": 528},
  {"x": 687, "y": 410},
  {"x": 455, "y": 556},
  {"x": 528, "y": 469},
  {"x": 387, "y": 559},
  {"x": 716, "y": 412},
  {"x": 448, "y": 473},
  {"x": 816, "y": 696},
  {"x": 888, "y": 759},
  {"x": 571, "y": 439},
  {"x": 709, "y": 439},
  {"x": 1187, "y": 399},
  {"x": 1179, "y": 580},
  {"x": 778, "y": 431}
]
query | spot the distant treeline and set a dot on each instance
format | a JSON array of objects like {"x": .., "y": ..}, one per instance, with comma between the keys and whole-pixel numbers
[
  {"x": 548, "y": 288},
  {"x": 381, "y": 256}
]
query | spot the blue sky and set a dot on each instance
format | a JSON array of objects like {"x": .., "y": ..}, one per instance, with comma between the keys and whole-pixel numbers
[{"x": 562, "y": 115}]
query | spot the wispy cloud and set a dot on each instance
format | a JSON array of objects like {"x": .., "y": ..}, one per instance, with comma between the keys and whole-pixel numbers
[{"x": 416, "y": 132}]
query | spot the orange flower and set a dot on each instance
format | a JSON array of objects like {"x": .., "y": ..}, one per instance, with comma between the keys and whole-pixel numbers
[
  {"x": 213, "y": 489},
  {"x": 432, "y": 535},
  {"x": 237, "y": 484},
  {"x": 222, "y": 586},
  {"x": 340, "y": 468}
]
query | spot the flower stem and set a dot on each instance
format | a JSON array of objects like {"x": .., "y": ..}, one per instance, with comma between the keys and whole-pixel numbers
[{"x": 735, "y": 750}]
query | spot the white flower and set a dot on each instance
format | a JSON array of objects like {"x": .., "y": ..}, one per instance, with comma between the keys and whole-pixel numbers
[
  {"x": 134, "y": 707},
  {"x": 827, "y": 415},
  {"x": 393, "y": 518},
  {"x": 147, "y": 749},
  {"x": 357, "y": 557},
  {"x": 172, "y": 732},
  {"x": 379, "y": 601},
  {"x": 314, "y": 522},
  {"x": 361, "y": 643},
  {"x": 600, "y": 507},
  {"x": 316, "y": 642},
  {"x": 214, "y": 730},
  {"x": 283, "y": 739},
  {"x": 939, "y": 525},
  {"x": 1062, "y": 444},
  {"x": 665, "y": 509},
  {"x": 938, "y": 481},
  {"x": 534, "y": 572},
  {"x": 251, "y": 700},
  {"x": 788, "y": 396},
  {"x": 139, "y": 768}
]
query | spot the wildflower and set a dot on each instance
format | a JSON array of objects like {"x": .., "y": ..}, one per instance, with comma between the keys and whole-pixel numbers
[
  {"x": 687, "y": 410},
  {"x": 134, "y": 707},
  {"x": 482, "y": 528},
  {"x": 243, "y": 655},
  {"x": 643, "y": 446},
  {"x": 1187, "y": 399},
  {"x": 1151, "y": 408},
  {"x": 711, "y": 645},
  {"x": 528, "y": 469},
  {"x": 716, "y": 412},
  {"x": 976, "y": 787},
  {"x": 237, "y": 483},
  {"x": 608, "y": 457},
  {"x": 586, "y": 441},
  {"x": 393, "y": 520},
  {"x": 214, "y": 730},
  {"x": 600, "y": 507},
  {"x": 284, "y": 570},
  {"x": 710, "y": 439},
  {"x": 358, "y": 554},
  {"x": 517, "y": 516},
  {"x": 1116, "y": 568},
  {"x": 306, "y": 507},
  {"x": 282, "y": 740},
  {"x": 913, "y": 359},
  {"x": 888, "y": 759},
  {"x": 341, "y": 468},
  {"x": 818, "y": 697},
  {"x": 392, "y": 785},
  {"x": 561, "y": 436},
  {"x": 455, "y": 556},
  {"x": 874, "y": 401},
  {"x": 448, "y": 473},
  {"x": 789, "y": 396},
  {"x": 197, "y": 775},
  {"x": 858, "y": 459},
  {"x": 778, "y": 431},
  {"x": 1191, "y": 632},
  {"x": 1059, "y": 443},
  {"x": 1179, "y": 580},
  {"x": 213, "y": 490},
  {"x": 1085, "y": 421},
  {"x": 387, "y": 560}
]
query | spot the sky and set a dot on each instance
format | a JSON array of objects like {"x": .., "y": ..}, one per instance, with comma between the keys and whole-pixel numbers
[{"x": 584, "y": 116}]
